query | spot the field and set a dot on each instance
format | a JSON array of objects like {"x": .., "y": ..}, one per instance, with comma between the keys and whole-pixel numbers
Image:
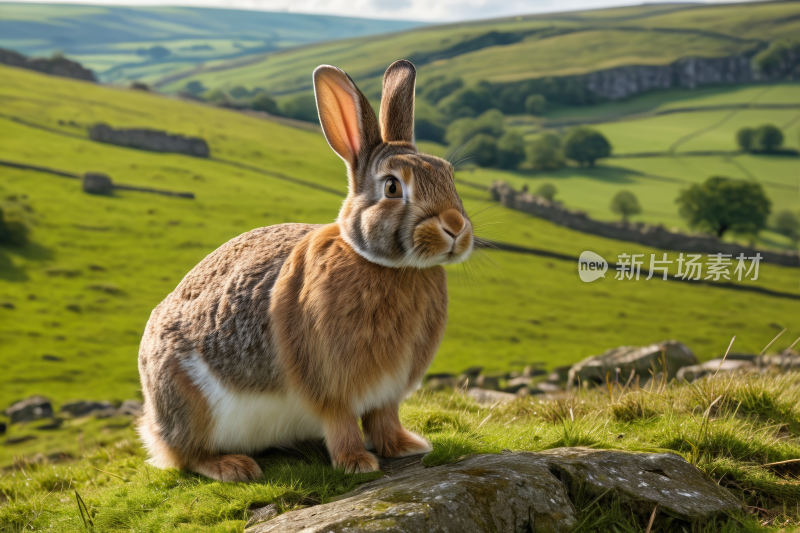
[
  {"x": 106, "y": 38},
  {"x": 518, "y": 48},
  {"x": 651, "y": 124},
  {"x": 83, "y": 290},
  {"x": 729, "y": 427}
]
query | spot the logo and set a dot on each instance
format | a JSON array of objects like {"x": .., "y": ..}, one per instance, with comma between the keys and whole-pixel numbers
[{"x": 591, "y": 267}]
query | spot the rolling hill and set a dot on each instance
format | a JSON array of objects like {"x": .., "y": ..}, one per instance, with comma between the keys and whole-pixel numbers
[
  {"x": 511, "y": 50},
  {"x": 82, "y": 291},
  {"x": 116, "y": 42}
]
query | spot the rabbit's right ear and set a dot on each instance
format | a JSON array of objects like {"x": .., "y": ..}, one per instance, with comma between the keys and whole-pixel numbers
[{"x": 347, "y": 119}]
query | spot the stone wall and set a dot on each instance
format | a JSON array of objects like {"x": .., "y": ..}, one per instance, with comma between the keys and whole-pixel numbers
[
  {"x": 151, "y": 140},
  {"x": 688, "y": 72},
  {"x": 655, "y": 236},
  {"x": 57, "y": 66}
]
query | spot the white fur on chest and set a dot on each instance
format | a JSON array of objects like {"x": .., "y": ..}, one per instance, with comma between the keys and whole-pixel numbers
[{"x": 248, "y": 422}]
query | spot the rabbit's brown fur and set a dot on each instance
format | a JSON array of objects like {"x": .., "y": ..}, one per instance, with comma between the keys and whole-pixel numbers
[{"x": 296, "y": 331}]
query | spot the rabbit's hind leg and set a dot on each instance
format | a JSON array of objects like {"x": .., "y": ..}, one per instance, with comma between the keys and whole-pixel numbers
[
  {"x": 228, "y": 468},
  {"x": 383, "y": 429}
]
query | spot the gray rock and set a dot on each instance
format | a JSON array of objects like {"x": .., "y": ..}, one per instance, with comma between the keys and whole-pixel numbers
[
  {"x": 131, "y": 408},
  {"x": 97, "y": 183},
  {"x": 437, "y": 382},
  {"x": 633, "y": 358},
  {"x": 514, "y": 492},
  {"x": 642, "y": 480},
  {"x": 547, "y": 387},
  {"x": 33, "y": 408},
  {"x": 484, "y": 396},
  {"x": 151, "y": 140},
  {"x": 785, "y": 361},
  {"x": 482, "y": 493},
  {"x": 488, "y": 382},
  {"x": 709, "y": 368},
  {"x": 85, "y": 408},
  {"x": 263, "y": 514}
]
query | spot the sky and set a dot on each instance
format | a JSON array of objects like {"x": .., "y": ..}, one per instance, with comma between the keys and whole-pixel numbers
[{"x": 424, "y": 10}]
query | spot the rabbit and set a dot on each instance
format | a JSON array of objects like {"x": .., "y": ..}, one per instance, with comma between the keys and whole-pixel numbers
[{"x": 296, "y": 331}]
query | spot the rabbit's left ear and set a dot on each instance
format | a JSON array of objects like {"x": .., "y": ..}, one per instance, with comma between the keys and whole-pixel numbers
[{"x": 397, "y": 102}]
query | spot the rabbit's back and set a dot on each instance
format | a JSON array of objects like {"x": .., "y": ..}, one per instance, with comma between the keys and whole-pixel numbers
[{"x": 220, "y": 312}]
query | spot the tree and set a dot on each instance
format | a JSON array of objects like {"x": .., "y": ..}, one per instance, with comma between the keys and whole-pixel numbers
[
  {"x": 585, "y": 146},
  {"x": 535, "y": 104},
  {"x": 463, "y": 129},
  {"x": 768, "y": 138},
  {"x": 426, "y": 129},
  {"x": 194, "y": 87},
  {"x": 723, "y": 204},
  {"x": 482, "y": 150},
  {"x": 744, "y": 138},
  {"x": 510, "y": 150},
  {"x": 264, "y": 102},
  {"x": 788, "y": 223},
  {"x": 473, "y": 99},
  {"x": 158, "y": 52},
  {"x": 626, "y": 204},
  {"x": 780, "y": 59},
  {"x": 547, "y": 191},
  {"x": 545, "y": 153}
]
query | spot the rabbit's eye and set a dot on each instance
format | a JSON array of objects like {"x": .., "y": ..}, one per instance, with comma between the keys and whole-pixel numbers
[{"x": 393, "y": 188}]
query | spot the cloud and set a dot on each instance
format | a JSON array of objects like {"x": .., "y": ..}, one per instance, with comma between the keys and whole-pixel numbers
[{"x": 391, "y": 5}]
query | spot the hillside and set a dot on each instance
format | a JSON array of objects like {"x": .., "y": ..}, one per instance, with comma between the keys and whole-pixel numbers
[
  {"x": 116, "y": 42},
  {"x": 506, "y": 51},
  {"x": 83, "y": 290}
]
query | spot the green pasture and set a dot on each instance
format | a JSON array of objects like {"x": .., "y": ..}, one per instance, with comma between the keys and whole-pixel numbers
[
  {"x": 557, "y": 44},
  {"x": 83, "y": 290}
]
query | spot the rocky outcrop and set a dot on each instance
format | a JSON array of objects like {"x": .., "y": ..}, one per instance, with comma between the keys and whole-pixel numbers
[
  {"x": 33, "y": 408},
  {"x": 655, "y": 236},
  {"x": 688, "y": 72},
  {"x": 513, "y": 492},
  {"x": 57, "y": 65},
  {"x": 639, "y": 359},
  {"x": 151, "y": 140}
]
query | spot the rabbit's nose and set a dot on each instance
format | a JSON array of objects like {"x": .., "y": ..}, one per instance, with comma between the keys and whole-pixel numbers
[{"x": 452, "y": 222}]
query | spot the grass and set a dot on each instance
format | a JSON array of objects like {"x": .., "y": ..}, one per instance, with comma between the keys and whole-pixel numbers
[
  {"x": 551, "y": 45},
  {"x": 728, "y": 426},
  {"x": 97, "y": 266}
]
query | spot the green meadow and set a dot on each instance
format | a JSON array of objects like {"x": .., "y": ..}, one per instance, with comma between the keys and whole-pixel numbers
[{"x": 82, "y": 290}]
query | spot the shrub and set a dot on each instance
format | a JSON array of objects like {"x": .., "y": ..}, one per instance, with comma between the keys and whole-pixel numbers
[
  {"x": 744, "y": 138},
  {"x": 12, "y": 231},
  {"x": 547, "y": 191},
  {"x": 264, "y": 102},
  {"x": 467, "y": 99},
  {"x": 194, "y": 87},
  {"x": 585, "y": 145},
  {"x": 303, "y": 107},
  {"x": 510, "y": 150},
  {"x": 426, "y": 129},
  {"x": 788, "y": 223},
  {"x": 463, "y": 129},
  {"x": 545, "y": 153},
  {"x": 482, "y": 149},
  {"x": 625, "y": 204},
  {"x": 767, "y": 138},
  {"x": 535, "y": 104},
  {"x": 780, "y": 59},
  {"x": 723, "y": 204}
]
